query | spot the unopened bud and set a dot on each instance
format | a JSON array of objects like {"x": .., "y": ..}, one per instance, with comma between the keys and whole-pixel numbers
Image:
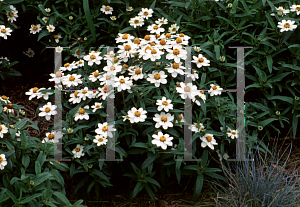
[
  {"x": 222, "y": 58},
  {"x": 229, "y": 5}
]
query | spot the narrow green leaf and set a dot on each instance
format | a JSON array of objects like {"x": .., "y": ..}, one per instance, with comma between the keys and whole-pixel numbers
[
  {"x": 149, "y": 160},
  {"x": 137, "y": 189},
  {"x": 204, "y": 157},
  {"x": 270, "y": 62},
  {"x": 150, "y": 192},
  {"x": 62, "y": 197},
  {"x": 270, "y": 20},
  {"x": 198, "y": 186},
  {"x": 89, "y": 19},
  {"x": 30, "y": 198},
  {"x": 295, "y": 124},
  {"x": 282, "y": 98}
]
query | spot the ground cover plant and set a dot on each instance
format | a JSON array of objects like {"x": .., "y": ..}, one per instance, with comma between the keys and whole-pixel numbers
[{"x": 146, "y": 77}]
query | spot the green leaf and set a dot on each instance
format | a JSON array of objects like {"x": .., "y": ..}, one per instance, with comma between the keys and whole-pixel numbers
[
  {"x": 149, "y": 160},
  {"x": 208, "y": 170},
  {"x": 42, "y": 34},
  {"x": 30, "y": 198},
  {"x": 150, "y": 192},
  {"x": 137, "y": 189},
  {"x": 100, "y": 174},
  {"x": 266, "y": 122},
  {"x": 295, "y": 124},
  {"x": 226, "y": 20},
  {"x": 153, "y": 5},
  {"x": 270, "y": 20},
  {"x": 89, "y": 19},
  {"x": 14, "y": 199},
  {"x": 198, "y": 186},
  {"x": 269, "y": 62},
  {"x": 37, "y": 168},
  {"x": 13, "y": 1},
  {"x": 204, "y": 157},
  {"x": 25, "y": 160},
  {"x": 151, "y": 180},
  {"x": 62, "y": 197},
  {"x": 282, "y": 98}
]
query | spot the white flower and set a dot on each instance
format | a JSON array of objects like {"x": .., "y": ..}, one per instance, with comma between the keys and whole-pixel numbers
[
  {"x": 35, "y": 29},
  {"x": 145, "y": 13},
  {"x": 164, "y": 120},
  {"x": 161, "y": 21},
  {"x": 93, "y": 57},
  {"x": 129, "y": 9},
  {"x": 105, "y": 130},
  {"x": 45, "y": 95},
  {"x": 194, "y": 75},
  {"x": 113, "y": 18},
  {"x": 78, "y": 54},
  {"x": 3, "y": 130},
  {"x": 81, "y": 114},
  {"x": 126, "y": 50},
  {"x": 201, "y": 95},
  {"x": 112, "y": 69},
  {"x": 162, "y": 140},
  {"x": 176, "y": 54},
  {"x": 100, "y": 140},
  {"x": 197, "y": 49},
  {"x": 123, "y": 83},
  {"x": 188, "y": 90},
  {"x": 233, "y": 134},
  {"x": 155, "y": 29},
  {"x": 5, "y": 31},
  {"x": 135, "y": 73},
  {"x": 179, "y": 41},
  {"x": 29, "y": 52},
  {"x": 96, "y": 106},
  {"x": 153, "y": 54},
  {"x": 48, "y": 10},
  {"x": 137, "y": 115},
  {"x": 136, "y": 21},
  {"x": 175, "y": 69},
  {"x": 75, "y": 98},
  {"x": 32, "y": 93},
  {"x": 71, "y": 80},
  {"x": 284, "y": 11},
  {"x": 56, "y": 77},
  {"x": 85, "y": 93},
  {"x": 215, "y": 90},
  {"x": 12, "y": 15},
  {"x": 197, "y": 128},
  {"x": 208, "y": 140},
  {"x": 121, "y": 38},
  {"x": 53, "y": 137},
  {"x": 173, "y": 29},
  {"x": 157, "y": 78},
  {"x": 48, "y": 110},
  {"x": 106, "y": 9},
  {"x": 200, "y": 61},
  {"x": 45, "y": 19},
  {"x": 78, "y": 151},
  {"x": 50, "y": 28},
  {"x": 5, "y": 99},
  {"x": 3, "y": 161},
  {"x": 56, "y": 38},
  {"x": 295, "y": 8},
  {"x": 59, "y": 49},
  {"x": 181, "y": 119},
  {"x": 80, "y": 63},
  {"x": 286, "y": 25},
  {"x": 164, "y": 104}
]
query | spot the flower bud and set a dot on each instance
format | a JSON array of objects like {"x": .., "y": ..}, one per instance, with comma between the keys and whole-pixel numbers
[
  {"x": 229, "y": 5},
  {"x": 70, "y": 17},
  {"x": 260, "y": 128},
  {"x": 197, "y": 49},
  {"x": 277, "y": 113},
  {"x": 222, "y": 58},
  {"x": 31, "y": 183},
  {"x": 70, "y": 131},
  {"x": 90, "y": 166},
  {"x": 86, "y": 139},
  {"x": 279, "y": 13},
  {"x": 85, "y": 38},
  {"x": 296, "y": 98}
]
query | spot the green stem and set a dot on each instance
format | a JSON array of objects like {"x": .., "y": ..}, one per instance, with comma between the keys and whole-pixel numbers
[{"x": 124, "y": 100}]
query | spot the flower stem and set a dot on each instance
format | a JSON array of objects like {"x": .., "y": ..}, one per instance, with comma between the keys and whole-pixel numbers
[{"x": 124, "y": 100}]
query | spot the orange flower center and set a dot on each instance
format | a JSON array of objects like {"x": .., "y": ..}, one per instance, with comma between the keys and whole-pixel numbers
[
  {"x": 75, "y": 93},
  {"x": 175, "y": 65},
  {"x": 137, "y": 113},
  {"x": 47, "y": 109},
  {"x": 201, "y": 60},
  {"x": 1, "y": 159},
  {"x": 164, "y": 118},
  {"x": 162, "y": 41},
  {"x": 78, "y": 52},
  {"x": 96, "y": 73},
  {"x": 104, "y": 128},
  {"x": 286, "y": 25},
  {"x": 3, "y": 30},
  {"x": 84, "y": 92},
  {"x": 77, "y": 149},
  {"x": 233, "y": 133},
  {"x": 146, "y": 13},
  {"x": 280, "y": 10},
  {"x": 107, "y": 8},
  {"x": 163, "y": 138},
  {"x": 168, "y": 35},
  {"x": 298, "y": 8},
  {"x": 125, "y": 66},
  {"x": 187, "y": 88},
  {"x": 122, "y": 80},
  {"x": 127, "y": 47},
  {"x": 34, "y": 27},
  {"x": 157, "y": 76},
  {"x": 125, "y": 36},
  {"x": 137, "y": 71},
  {"x": 176, "y": 51},
  {"x": 51, "y": 136},
  {"x": 181, "y": 35},
  {"x": 178, "y": 85},
  {"x": 209, "y": 138},
  {"x": 148, "y": 48},
  {"x": 136, "y": 41},
  {"x": 67, "y": 65},
  {"x": 180, "y": 117},
  {"x": 9, "y": 106},
  {"x": 153, "y": 51},
  {"x": 136, "y": 21},
  {"x": 147, "y": 37},
  {"x": 155, "y": 27},
  {"x": 81, "y": 111},
  {"x": 58, "y": 74},
  {"x": 11, "y": 14},
  {"x": 71, "y": 78},
  {"x": 165, "y": 103},
  {"x": 214, "y": 87},
  {"x": 4, "y": 97},
  {"x": 178, "y": 40},
  {"x": 35, "y": 89},
  {"x": 97, "y": 106},
  {"x": 55, "y": 36},
  {"x": 152, "y": 44},
  {"x": 100, "y": 139}
]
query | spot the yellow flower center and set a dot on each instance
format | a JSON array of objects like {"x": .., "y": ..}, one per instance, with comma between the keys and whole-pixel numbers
[
  {"x": 125, "y": 36},
  {"x": 298, "y": 8},
  {"x": 162, "y": 41},
  {"x": 168, "y": 35},
  {"x": 178, "y": 85},
  {"x": 75, "y": 93},
  {"x": 228, "y": 131},
  {"x": 136, "y": 41},
  {"x": 164, "y": 118},
  {"x": 127, "y": 47},
  {"x": 181, "y": 35},
  {"x": 233, "y": 133},
  {"x": 152, "y": 44},
  {"x": 84, "y": 92},
  {"x": 67, "y": 65},
  {"x": 0, "y": 127},
  {"x": 175, "y": 65},
  {"x": 209, "y": 138},
  {"x": 100, "y": 139},
  {"x": 157, "y": 76},
  {"x": 77, "y": 149},
  {"x": 214, "y": 87},
  {"x": 112, "y": 67},
  {"x": 1, "y": 159},
  {"x": 174, "y": 29},
  {"x": 280, "y": 10},
  {"x": 47, "y": 109},
  {"x": 78, "y": 52},
  {"x": 196, "y": 126},
  {"x": 201, "y": 60},
  {"x": 93, "y": 56},
  {"x": 137, "y": 113},
  {"x": 81, "y": 111},
  {"x": 187, "y": 88},
  {"x": 157, "y": 35},
  {"x": 122, "y": 80},
  {"x": 137, "y": 71},
  {"x": 11, "y": 14},
  {"x": 202, "y": 92},
  {"x": 51, "y": 136},
  {"x": 34, "y": 27},
  {"x": 71, "y": 78},
  {"x": 107, "y": 8},
  {"x": 3, "y": 30},
  {"x": 176, "y": 51},
  {"x": 286, "y": 25},
  {"x": 163, "y": 138},
  {"x": 146, "y": 13},
  {"x": 55, "y": 36},
  {"x": 96, "y": 73},
  {"x": 46, "y": 19},
  {"x": 147, "y": 37},
  {"x": 4, "y": 97},
  {"x": 58, "y": 74},
  {"x": 155, "y": 27},
  {"x": 178, "y": 40},
  {"x": 153, "y": 51},
  {"x": 104, "y": 128},
  {"x": 35, "y": 89},
  {"x": 136, "y": 21},
  {"x": 9, "y": 106},
  {"x": 148, "y": 48},
  {"x": 108, "y": 77},
  {"x": 165, "y": 103},
  {"x": 180, "y": 117}
]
